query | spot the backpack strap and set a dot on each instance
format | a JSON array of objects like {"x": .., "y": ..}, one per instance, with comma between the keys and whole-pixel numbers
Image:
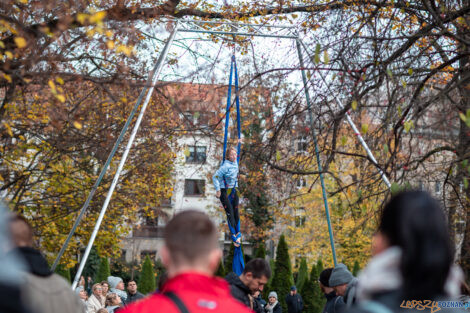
[{"x": 177, "y": 301}]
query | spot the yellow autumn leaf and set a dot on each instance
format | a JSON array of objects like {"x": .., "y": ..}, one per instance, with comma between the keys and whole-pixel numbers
[
  {"x": 20, "y": 42},
  {"x": 124, "y": 49},
  {"x": 77, "y": 125},
  {"x": 2, "y": 45},
  {"x": 110, "y": 44},
  {"x": 9, "y": 54},
  {"x": 51, "y": 84},
  {"x": 81, "y": 18},
  {"x": 59, "y": 80},
  {"x": 8, "y": 128},
  {"x": 97, "y": 17},
  {"x": 61, "y": 98},
  {"x": 7, "y": 77}
]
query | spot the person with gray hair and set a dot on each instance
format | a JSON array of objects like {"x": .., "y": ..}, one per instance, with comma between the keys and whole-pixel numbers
[
  {"x": 273, "y": 305},
  {"x": 344, "y": 284}
]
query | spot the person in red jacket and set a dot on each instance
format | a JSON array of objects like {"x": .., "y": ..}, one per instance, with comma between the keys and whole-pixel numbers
[{"x": 191, "y": 255}]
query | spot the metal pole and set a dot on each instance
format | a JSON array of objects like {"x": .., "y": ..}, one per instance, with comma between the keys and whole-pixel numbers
[
  {"x": 153, "y": 77},
  {"x": 317, "y": 153},
  {"x": 356, "y": 132}
]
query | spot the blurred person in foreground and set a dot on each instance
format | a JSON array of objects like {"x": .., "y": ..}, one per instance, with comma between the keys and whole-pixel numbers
[
  {"x": 412, "y": 258},
  {"x": 43, "y": 291},
  {"x": 191, "y": 255}
]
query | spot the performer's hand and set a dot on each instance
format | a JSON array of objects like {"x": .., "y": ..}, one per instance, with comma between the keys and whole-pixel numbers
[
  {"x": 240, "y": 141},
  {"x": 217, "y": 193}
]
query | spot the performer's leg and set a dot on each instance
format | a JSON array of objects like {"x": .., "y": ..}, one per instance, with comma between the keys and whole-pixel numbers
[
  {"x": 228, "y": 208},
  {"x": 235, "y": 208}
]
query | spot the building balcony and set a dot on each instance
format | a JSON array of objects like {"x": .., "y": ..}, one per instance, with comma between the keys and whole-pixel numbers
[{"x": 148, "y": 231}]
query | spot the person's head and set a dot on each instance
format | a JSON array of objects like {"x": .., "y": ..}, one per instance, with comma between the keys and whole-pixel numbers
[
  {"x": 81, "y": 292},
  {"x": 105, "y": 286},
  {"x": 112, "y": 299},
  {"x": 191, "y": 244},
  {"x": 132, "y": 287},
  {"x": 272, "y": 297},
  {"x": 231, "y": 154},
  {"x": 97, "y": 290},
  {"x": 256, "y": 274},
  {"x": 102, "y": 310},
  {"x": 21, "y": 231},
  {"x": 340, "y": 278},
  {"x": 293, "y": 290},
  {"x": 324, "y": 280},
  {"x": 415, "y": 222},
  {"x": 115, "y": 282}
]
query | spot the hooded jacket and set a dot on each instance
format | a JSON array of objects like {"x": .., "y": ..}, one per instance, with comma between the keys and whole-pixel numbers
[
  {"x": 334, "y": 303},
  {"x": 44, "y": 291},
  {"x": 199, "y": 293}
]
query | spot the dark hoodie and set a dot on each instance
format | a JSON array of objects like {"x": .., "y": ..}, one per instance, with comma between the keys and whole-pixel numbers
[
  {"x": 334, "y": 303},
  {"x": 36, "y": 263},
  {"x": 240, "y": 292}
]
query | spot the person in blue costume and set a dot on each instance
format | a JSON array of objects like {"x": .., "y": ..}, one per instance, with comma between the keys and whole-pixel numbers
[{"x": 226, "y": 183}]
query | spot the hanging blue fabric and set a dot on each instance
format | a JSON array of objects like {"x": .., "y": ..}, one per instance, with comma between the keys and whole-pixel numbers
[{"x": 238, "y": 263}]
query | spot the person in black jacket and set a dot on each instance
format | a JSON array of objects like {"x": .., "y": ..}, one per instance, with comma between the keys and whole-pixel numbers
[
  {"x": 254, "y": 277},
  {"x": 132, "y": 293},
  {"x": 334, "y": 303},
  {"x": 294, "y": 301},
  {"x": 273, "y": 306}
]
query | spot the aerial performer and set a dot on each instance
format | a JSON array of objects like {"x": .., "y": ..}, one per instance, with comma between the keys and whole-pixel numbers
[
  {"x": 226, "y": 177},
  {"x": 226, "y": 182}
]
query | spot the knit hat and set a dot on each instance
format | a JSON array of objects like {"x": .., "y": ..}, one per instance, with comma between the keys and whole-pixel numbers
[
  {"x": 325, "y": 277},
  {"x": 293, "y": 288},
  {"x": 78, "y": 289},
  {"x": 340, "y": 276},
  {"x": 272, "y": 294},
  {"x": 114, "y": 281}
]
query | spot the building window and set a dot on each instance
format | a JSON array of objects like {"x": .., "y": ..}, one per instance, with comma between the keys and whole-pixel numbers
[
  {"x": 197, "y": 154},
  {"x": 437, "y": 187},
  {"x": 151, "y": 253},
  {"x": 300, "y": 217},
  {"x": 301, "y": 183},
  {"x": 194, "y": 187},
  {"x": 301, "y": 144}
]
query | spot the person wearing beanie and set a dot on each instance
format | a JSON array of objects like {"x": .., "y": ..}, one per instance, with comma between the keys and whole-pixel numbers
[
  {"x": 116, "y": 285},
  {"x": 273, "y": 305},
  {"x": 334, "y": 303},
  {"x": 344, "y": 284},
  {"x": 294, "y": 301}
]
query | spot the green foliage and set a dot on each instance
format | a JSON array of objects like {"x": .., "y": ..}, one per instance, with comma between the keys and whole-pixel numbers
[
  {"x": 220, "y": 270},
  {"x": 319, "y": 267},
  {"x": 356, "y": 269},
  {"x": 147, "y": 282},
  {"x": 302, "y": 275},
  {"x": 103, "y": 271},
  {"x": 260, "y": 251},
  {"x": 63, "y": 271},
  {"x": 282, "y": 278},
  {"x": 313, "y": 297},
  {"x": 91, "y": 265}
]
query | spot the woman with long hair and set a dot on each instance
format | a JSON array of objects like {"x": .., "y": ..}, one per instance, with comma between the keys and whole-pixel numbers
[{"x": 412, "y": 257}]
